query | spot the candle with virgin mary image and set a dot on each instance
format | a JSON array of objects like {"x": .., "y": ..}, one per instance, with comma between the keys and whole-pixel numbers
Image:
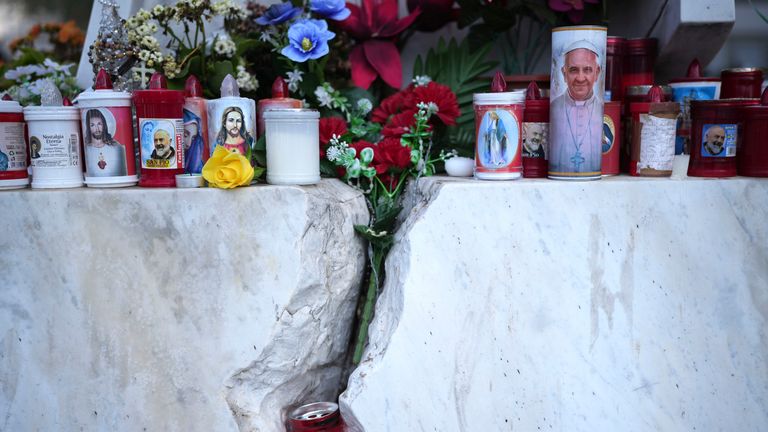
[{"x": 576, "y": 108}]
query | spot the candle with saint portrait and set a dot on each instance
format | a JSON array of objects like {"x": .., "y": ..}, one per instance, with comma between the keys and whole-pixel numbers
[
  {"x": 196, "y": 140},
  {"x": 108, "y": 135},
  {"x": 232, "y": 120},
  {"x": 13, "y": 151},
  {"x": 159, "y": 112},
  {"x": 576, "y": 107}
]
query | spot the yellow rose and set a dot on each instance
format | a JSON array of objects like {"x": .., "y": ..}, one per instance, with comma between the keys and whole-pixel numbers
[{"x": 227, "y": 169}]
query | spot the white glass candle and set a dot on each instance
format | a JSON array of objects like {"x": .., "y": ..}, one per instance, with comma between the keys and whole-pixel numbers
[{"x": 293, "y": 137}]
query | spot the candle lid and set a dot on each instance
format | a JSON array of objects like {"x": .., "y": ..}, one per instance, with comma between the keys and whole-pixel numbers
[
  {"x": 280, "y": 89},
  {"x": 8, "y": 105},
  {"x": 744, "y": 70},
  {"x": 694, "y": 74},
  {"x": 498, "y": 85},
  {"x": 158, "y": 92},
  {"x": 229, "y": 87},
  {"x": 291, "y": 113},
  {"x": 533, "y": 98},
  {"x": 506, "y": 98},
  {"x": 193, "y": 88},
  {"x": 103, "y": 94},
  {"x": 615, "y": 45}
]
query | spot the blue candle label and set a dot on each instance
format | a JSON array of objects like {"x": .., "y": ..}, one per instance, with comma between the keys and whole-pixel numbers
[
  {"x": 161, "y": 143},
  {"x": 719, "y": 140},
  {"x": 55, "y": 150},
  {"x": 535, "y": 140},
  {"x": 13, "y": 152}
]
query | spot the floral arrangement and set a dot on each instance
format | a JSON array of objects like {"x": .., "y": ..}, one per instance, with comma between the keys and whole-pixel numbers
[
  {"x": 404, "y": 125},
  {"x": 27, "y": 81},
  {"x": 22, "y": 77},
  {"x": 189, "y": 50}
]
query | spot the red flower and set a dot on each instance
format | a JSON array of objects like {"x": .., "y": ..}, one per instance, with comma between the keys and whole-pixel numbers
[
  {"x": 390, "y": 106},
  {"x": 443, "y": 97},
  {"x": 399, "y": 124},
  {"x": 375, "y": 25},
  {"x": 330, "y": 126},
  {"x": 575, "y": 8},
  {"x": 390, "y": 153}
]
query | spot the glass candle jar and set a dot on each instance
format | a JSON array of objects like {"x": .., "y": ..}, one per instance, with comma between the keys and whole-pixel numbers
[
  {"x": 292, "y": 135},
  {"x": 640, "y": 59},
  {"x": 752, "y": 157},
  {"x": 614, "y": 68},
  {"x": 716, "y": 130},
  {"x": 741, "y": 83}
]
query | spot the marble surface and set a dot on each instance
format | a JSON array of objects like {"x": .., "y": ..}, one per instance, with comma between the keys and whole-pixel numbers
[
  {"x": 619, "y": 305},
  {"x": 174, "y": 310}
]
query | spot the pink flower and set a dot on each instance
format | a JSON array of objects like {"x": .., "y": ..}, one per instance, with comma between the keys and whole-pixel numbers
[{"x": 575, "y": 8}]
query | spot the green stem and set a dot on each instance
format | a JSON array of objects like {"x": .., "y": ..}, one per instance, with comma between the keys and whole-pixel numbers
[
  {"x": 203, "y": 60},
  {"x": 370, "y": 299}
]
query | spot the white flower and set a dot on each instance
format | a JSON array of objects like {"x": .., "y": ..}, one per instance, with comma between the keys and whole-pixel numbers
[
  {"x": 24, "y": 71},
  {"x": 158, "y": 10},
  {"x": 294, "y": 78},
  {"x": 221, "y": 7},
  {"x": 245, "y": 80},
  {"x": 429, "y": 108},
  {"x": 365, "y": 106},
  {"x": 333, "y": 153},
  {"x": 421, "y": 80},
  {"x": 225, "y": 47},
  {"x": 323, "y": 96}
]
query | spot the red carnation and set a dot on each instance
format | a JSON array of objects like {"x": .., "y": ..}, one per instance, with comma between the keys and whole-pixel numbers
[
  {"x": 330, "y": 126},
  {"x": 442, "y": 96},
  {"x": 399, "y": 124},
  {"x": 390, "y": 106},
  {"x": 391, "y": 153}
]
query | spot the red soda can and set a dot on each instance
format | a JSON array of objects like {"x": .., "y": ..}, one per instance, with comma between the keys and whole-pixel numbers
[{"x": 316, "y": 417}]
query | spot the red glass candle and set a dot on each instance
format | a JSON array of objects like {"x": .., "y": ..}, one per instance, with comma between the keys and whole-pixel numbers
[
  {"x": 640, "y": 59},
  {"x": 741, "y": 83},
  {"x": 716, "y": 130},
  {"x": 316, "y": 417},
  {"x": 614, "y": 68},
  {"x": 535, "y": 133},
  {"x": 159, "y": 113},
  {"x": 752, "y": 156},
  {"x": 280, "y": 99},
  {"x": 611, "y": 138}
]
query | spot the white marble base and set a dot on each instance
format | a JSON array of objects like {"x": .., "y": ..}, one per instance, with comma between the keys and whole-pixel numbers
[
  {"x": 174, "y": 309},
  {"x": 625, "y": 304}
]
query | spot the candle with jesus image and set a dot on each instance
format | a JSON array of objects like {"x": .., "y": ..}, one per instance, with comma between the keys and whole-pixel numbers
[{"x": 232, "y": 120}]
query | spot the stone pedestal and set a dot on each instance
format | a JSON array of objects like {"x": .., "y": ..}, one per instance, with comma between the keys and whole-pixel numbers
[
  {"x": 619, "y": 305},
  {"x": 174, "y": 309}
]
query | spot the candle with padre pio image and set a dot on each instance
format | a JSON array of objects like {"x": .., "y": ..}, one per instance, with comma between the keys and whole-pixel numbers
[
  {"x": 576, "y": 107},
  {"x": 108, "y": 135},
  {"x": 159, "y": 113},
  {"x": 232, "y": 120}
]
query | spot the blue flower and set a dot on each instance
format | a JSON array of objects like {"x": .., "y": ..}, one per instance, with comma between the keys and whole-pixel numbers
[
  {"x": 307, "y": 40},
  {"x": 332, "y": 9},
  {"x": 278, "y": 14}
]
